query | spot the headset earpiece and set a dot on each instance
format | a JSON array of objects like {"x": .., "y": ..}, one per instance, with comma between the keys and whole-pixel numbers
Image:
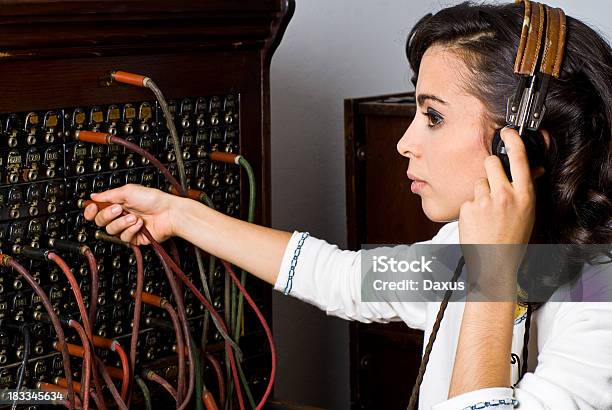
[
  {"x": 538, "y": 60},
  {"x": 534, "y": 145}
]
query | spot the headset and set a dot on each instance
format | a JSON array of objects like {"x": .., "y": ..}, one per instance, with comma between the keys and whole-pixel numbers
[
  {"x": 539, "y": 59},
  {"x": 525, "y": 109}
]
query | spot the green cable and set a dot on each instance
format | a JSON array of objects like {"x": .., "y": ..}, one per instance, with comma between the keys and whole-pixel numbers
[
  {"x": 145, "y": 392},
  {"x": 198, "y": 375},
  {"x": 251, "y": 216},
  {"x": 247, "y": 389},
  {"x": 228, "y": 369}
]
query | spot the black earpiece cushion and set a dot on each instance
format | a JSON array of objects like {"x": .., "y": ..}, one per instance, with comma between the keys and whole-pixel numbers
[{"x": 534, "y": 144}]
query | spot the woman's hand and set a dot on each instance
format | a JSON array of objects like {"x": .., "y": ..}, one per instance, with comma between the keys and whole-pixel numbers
[
  {"x": 502, "y": 212},
  {"x": 146, "y": 206},
  {"x": 499, "y": 220}
]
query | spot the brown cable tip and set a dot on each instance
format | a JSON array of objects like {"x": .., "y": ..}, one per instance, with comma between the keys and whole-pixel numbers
[
  {"x": 226, "y": 157},
  {"x": 62, "y": 382},
  {"x": 84, "y": 203},
  {"x": 93, "y": 137},
  {"x": 209, "y": 401},
  {"x": 129, "y": 78},
  {"x": 115, "y": 372},
  {"x": 73, "y": 350},
  {"x": 99, "y": 341},
  {"x": 4, "y": 259},
  {"x": 151, "y": 299},
  {"x": 191, "y": 193}
]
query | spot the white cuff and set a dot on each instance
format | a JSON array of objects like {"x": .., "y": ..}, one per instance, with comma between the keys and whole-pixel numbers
[
  {"x": 284, "y": 281},
  {"x": 499, "y": 397}
]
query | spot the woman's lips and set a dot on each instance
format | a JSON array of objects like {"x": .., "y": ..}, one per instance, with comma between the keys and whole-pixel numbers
[{"x": 417, "y": 184}]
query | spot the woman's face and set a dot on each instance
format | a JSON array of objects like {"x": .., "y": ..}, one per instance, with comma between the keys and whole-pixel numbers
[{"x": 444, "y": 141}]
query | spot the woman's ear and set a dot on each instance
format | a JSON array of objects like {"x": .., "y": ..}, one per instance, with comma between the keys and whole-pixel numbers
[{"x": 546, "y": 136}]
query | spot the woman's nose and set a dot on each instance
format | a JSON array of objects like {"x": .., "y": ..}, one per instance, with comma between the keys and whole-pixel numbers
[{"x": 406, "y": 146}]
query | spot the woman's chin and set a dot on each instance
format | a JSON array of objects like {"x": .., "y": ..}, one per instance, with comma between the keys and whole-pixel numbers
[{"x": 435, "y": 212}]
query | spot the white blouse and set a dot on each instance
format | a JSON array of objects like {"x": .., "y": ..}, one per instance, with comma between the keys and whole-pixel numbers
[{"x": 570, "y": 345}]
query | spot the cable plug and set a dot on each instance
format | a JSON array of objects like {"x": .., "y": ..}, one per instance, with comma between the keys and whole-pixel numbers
[
  {"x": 129, "y": 78},
  {"x": 69, "y": 246},
  {"x": 31, "y": 252}
]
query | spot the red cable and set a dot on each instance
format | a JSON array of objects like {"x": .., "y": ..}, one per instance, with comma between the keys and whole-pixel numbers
[
  {"x": 167, "y": 260},
  {"x": 160, "y": 302},
  {"x": 125, "y": 365},
  {"x": 110, "y": 384},
  {"x": 137, "y": 311},
  {"x": 180, "y": 343},
  {"x": 86, "y": 368},
  {"x": 113, "y": 345},
  {"x": 95, "y": 282},
  {"x": 174, "y": 251},
  {"x": 156, "y": 163},
  {"x": 178, "y": 296},
  {"x": 266, "y": 327},
  {"x": 8, "y": 261},
  {"x": 76, "y": 290},
  {"x": 219, "y": 372},
  {"x": 154, "y": 377},
  {"x": 106, "y": 139}
]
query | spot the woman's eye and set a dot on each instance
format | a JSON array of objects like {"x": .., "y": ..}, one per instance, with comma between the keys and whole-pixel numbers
[{"x": 434, "y": 119}]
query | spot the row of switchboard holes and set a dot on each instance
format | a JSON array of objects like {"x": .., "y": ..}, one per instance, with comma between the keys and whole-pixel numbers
[
  {"x": 32, "y": 128},
  {"x": 78, "y": 158}
]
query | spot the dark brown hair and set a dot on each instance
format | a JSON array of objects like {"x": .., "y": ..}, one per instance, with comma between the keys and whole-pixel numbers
[{"x": 573, "y": 197}]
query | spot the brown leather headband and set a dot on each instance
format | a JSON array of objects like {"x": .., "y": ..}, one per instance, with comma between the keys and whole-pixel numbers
[
  {"x": 554, "y": 48},
  {"x": 533, "y": 43},
  {"x": 530, "y": 44},
  {"x": 524, "y": 32}
]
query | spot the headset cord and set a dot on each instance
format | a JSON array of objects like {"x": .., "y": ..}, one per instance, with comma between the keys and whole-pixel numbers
[{"x": 432, "y": 338}]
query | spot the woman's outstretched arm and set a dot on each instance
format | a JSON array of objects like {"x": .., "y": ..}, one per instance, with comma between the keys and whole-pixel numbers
[{"x": 254, "y": 248}]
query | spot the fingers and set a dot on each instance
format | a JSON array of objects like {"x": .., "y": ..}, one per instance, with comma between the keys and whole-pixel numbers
[
  {"x": 519, "y": 165},
  {"x": 121, "y": 224},
  {"x": 128, "y": 234},
  {"x": 107, "y": 215},
  {"x": 481, "y": 188},
  {"x": 90, "y": 212},
  {"x": 116, "y": 196},
  {"x": 496, "y": 175}
]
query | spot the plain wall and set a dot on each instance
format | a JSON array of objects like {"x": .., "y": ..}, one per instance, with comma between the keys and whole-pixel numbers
[{"x": 332, "y": 50}]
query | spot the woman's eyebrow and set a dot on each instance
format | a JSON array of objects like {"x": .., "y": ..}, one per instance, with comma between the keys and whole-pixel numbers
[{"x": 421, "y": 98}]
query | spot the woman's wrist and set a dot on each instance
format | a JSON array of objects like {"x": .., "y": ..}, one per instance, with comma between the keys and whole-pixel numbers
[{"x": 185, "y": 214}]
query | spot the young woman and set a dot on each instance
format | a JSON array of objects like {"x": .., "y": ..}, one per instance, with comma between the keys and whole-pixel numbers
[{"x": 463, "y": 59}]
